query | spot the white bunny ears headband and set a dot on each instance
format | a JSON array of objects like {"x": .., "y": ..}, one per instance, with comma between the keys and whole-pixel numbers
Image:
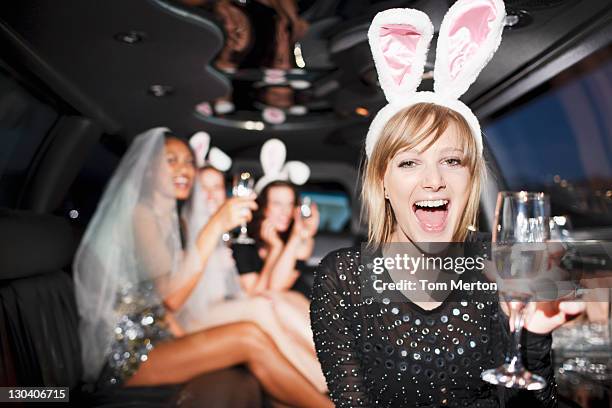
[
  {"x": 399, "y": 38},
  {"x": 272, "y": 156},
  {"x": 200, "y": 143}
]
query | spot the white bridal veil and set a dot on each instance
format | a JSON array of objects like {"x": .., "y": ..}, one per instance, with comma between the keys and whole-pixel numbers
[
  {"x": 131, "y": 255},
  {"x": 220, "y": 280}
]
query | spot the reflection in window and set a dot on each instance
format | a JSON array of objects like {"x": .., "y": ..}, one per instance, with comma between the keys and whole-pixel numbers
[{"x": 561, "y": 142}]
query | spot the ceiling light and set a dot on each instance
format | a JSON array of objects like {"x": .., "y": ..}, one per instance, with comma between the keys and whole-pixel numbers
[
  {"x": 161, "y": 90},
  {"x": 517, "y": 19},
  {"x": 511, "y": 20},
  {"x": 130, "y": 37},
  {"x": 361, "y": 111}
]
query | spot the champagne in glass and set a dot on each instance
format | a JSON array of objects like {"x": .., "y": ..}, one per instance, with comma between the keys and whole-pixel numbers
[
  {"x": 243, "y": 187},
  {"x": 520, "y": 232},
  {"x": 306, "y": 207}
]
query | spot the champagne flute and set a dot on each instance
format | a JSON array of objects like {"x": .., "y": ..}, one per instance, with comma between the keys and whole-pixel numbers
[
  {"x": 520, "y": 232},
  {"x": 306, "y": 207},
  {"x": 243, "y": 187}
]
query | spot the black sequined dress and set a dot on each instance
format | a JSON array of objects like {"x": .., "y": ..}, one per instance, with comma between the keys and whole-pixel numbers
[{"x": 395, "y": 354}]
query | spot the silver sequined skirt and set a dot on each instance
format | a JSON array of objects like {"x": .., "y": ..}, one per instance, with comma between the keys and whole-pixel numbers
[{"x": 139, "y": 328}]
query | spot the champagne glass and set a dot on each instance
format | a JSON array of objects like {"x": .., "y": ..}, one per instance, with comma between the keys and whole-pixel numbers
[
  {"x": 519, "y": 251},
  {"x": 243, "y": 187},
  {"x": 306, "y": 207}
]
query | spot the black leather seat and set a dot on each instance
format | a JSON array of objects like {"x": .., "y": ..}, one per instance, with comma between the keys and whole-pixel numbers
[
  {"x": 39, "y": 342},
  {"x": 38, "y": 313}
]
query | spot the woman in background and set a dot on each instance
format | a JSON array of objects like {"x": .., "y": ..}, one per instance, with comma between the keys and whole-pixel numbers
[
  {"x": 135, "y": 264},
  {"x": 218, "y": 298},
  {"x": 284, "y": 239},
  {"x": 421, "y": 185}
]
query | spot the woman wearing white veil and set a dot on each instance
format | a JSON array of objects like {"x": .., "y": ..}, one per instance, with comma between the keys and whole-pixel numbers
[
  {"x": 134, "y": 264},
  {"x": 218, "y": 299}
]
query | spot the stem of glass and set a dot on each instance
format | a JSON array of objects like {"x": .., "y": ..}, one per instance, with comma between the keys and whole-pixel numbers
[{"x": 517, "y": 314}]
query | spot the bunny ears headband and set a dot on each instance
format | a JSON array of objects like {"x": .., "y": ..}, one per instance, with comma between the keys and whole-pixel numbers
[
  {"x": 200, "y": 143},
  {"x": 272, "y": 156},
  {"x": 399, "y": 38}
]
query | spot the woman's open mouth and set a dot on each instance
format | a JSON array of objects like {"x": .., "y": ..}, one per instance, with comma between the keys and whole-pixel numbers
[
  {"x": 181, "y": 182},
  {"x": 431, "y": 214}
]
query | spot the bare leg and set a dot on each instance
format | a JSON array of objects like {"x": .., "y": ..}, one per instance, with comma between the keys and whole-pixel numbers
[
  {"x": 181, "y": 359},
  {"x": 292, "y": 310},
  {"x": 262, "y": 311}
]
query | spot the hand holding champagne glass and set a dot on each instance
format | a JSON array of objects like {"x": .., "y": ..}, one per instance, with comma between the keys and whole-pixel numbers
[
  {"x": 308, "y": 216},
  {"x": 520, "y": 232}
]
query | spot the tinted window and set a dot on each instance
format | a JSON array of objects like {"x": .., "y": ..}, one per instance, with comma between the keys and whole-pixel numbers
[
  {"x": 24, "y": 122},
  {"x": 82, "y": 199},
  {"x": 333, "y": 203},
  {"x": 561, "y": 142}
]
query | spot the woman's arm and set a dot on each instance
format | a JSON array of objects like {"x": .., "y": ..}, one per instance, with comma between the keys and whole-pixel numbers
[
  {"x": 305, "y": 249},
  {"x": 262, "y": 281},
  {"x": 283, "y": 273},
  {"x": 207, "y": 240},
  {"x": 279, "y": 271},
  {"x": 250, "y": 267},
  {"x": 258, "y": 281},
  {"x": 299, "y": 247},
  {"x": 309, "y": 227},
  {"x": 232, "y": 213},
  {"x": 334, "y": 337}
]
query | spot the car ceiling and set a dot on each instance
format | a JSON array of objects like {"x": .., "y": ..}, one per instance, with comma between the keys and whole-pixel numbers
[{"x": 74, "y": 46}]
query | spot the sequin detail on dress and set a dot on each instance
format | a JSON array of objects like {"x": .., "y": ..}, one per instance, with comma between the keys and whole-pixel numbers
[
  {"x": 140, "y": 327},
  {"x": 395, "y": 354}
]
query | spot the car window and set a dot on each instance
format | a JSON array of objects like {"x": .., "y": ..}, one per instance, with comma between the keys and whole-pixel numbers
[
  {"x": 333, "y": 203},
  {"x": 85, "y": 192},
  {"x": 24, "y": 122},
  {"x": 334, "y": 209},
  {"x": 560, "y": 141}
]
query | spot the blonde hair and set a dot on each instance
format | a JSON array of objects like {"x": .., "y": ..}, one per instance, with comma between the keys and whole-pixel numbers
[{"x": 419, "y": 123}]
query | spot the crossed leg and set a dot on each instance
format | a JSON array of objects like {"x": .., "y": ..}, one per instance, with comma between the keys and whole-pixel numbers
[{"x": 183, "y": 358}]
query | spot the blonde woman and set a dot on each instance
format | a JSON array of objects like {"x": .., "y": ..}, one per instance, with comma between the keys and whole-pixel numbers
[{"x": 421, "y": 184}]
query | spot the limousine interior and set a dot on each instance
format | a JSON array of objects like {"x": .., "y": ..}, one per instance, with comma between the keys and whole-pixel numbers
[{"x": 79, "y": 79}]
